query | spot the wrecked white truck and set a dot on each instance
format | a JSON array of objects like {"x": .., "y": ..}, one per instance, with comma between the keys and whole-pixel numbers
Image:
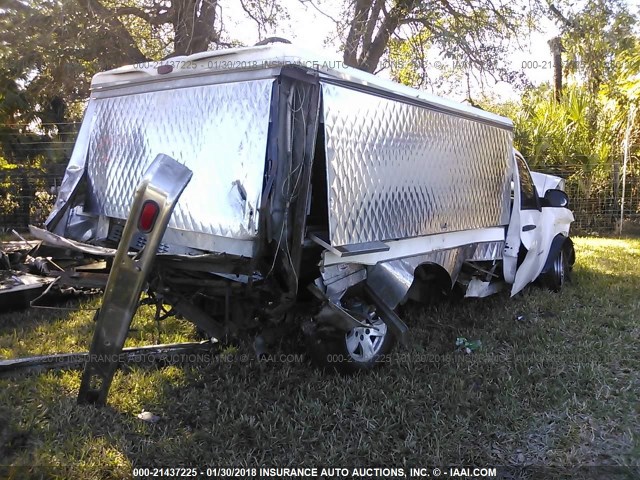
[{"x": 249, "y": 188}]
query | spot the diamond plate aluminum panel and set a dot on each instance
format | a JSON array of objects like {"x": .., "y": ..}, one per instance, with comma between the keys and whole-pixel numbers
[
  {"x": 396, "y": 170},
  {"x": 488, "y": 251},
  {"x": 218, "y": 131}
]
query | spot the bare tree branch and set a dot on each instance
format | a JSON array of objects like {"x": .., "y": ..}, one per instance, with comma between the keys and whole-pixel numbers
[
  {"x": 559, "y": 15},
  {"x": 251, "y": 15},
  {"x": 319, "y": 10}
]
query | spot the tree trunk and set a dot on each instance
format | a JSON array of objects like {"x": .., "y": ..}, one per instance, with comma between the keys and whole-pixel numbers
[
  {"x": 555, "y": 45},
  {"x": 364, "y": 48},
  {"x": 194, "y": 26}
]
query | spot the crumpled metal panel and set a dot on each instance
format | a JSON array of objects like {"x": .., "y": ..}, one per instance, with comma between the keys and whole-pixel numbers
[
  {"x": 336, "y": 279},
  {"x": 73, "y": 174},
  {"x": 391, "y": 280},
  {"x": 218, "y": 131},
  {"x": 397, "y": 170}
]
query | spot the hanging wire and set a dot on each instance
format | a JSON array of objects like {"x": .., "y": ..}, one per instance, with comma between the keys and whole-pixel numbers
[{"x": 292, "y": 193}]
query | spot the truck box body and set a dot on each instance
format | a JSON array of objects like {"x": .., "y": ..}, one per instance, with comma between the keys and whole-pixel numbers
[{"x": 399, "y": 163}]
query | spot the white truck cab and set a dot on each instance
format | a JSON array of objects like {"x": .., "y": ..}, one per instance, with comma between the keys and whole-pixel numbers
[{"x": 543, "y": 218}]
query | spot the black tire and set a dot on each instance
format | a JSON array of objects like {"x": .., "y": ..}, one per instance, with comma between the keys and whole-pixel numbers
[
  {"x": 359, "y": 349},
  {"x": 559, "y": 272}
]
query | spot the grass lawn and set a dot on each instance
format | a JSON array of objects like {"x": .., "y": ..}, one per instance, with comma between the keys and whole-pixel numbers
[{"x": 555, "y": 382}]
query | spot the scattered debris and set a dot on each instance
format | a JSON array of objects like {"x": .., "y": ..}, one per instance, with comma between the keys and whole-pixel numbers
[
  {"x": 18, "y": 288},
  {"x": 29, "y": 246},
  {"x": 29, "y": 272},
  {"x": 148, "y": 417},
  {"x": 467, "y": 346}
]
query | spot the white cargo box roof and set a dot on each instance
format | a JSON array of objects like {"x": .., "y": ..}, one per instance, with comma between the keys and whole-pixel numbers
[{"x": 273, "y": 57}]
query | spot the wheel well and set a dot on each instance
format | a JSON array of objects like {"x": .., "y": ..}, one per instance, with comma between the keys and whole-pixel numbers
[
  {"x": 567, "y": 246},
  {"x": 430, "y": 283},
  {"x": 560, "y": 242}
]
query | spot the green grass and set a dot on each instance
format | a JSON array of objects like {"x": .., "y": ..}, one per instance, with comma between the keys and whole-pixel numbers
[
  {"x": 47, "y": 331},
  {"x": 555, "y": 382}
]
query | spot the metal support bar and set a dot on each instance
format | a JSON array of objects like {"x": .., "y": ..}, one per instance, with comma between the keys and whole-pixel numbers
[
  {"x": 148, "y": 353},
  {"x": 162, "y": 185},
  {"x": 393, "y": 321}
]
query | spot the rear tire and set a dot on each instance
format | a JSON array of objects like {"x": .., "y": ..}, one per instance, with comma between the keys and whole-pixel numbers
[{"x": 361, "y": 348}]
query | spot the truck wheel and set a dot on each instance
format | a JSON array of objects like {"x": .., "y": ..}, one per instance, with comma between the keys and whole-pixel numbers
[
  {"x": 362, "y": 348},
  {"x": 556, "y": 277}
]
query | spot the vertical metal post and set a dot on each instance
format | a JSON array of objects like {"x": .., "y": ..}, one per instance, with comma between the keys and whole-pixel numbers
[{"x": 625, "y": 146}]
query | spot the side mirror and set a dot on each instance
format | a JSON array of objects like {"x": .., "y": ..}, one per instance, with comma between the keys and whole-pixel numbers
[{"x": 555, "y": 198}]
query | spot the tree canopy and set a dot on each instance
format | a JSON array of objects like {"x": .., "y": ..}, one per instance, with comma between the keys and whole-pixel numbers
[
  {"x": 50, "y": 49},
  {"x": 438, "y": 41}
]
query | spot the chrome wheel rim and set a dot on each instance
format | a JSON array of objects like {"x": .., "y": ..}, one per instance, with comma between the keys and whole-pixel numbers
[{"x": 364, "y": 343}]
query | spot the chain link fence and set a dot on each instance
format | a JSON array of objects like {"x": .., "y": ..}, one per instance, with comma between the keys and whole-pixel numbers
[
  {"x": 32, "y": 166},
  {"x": 27, "y": 195},
  {"x": 601, "y": 204}
]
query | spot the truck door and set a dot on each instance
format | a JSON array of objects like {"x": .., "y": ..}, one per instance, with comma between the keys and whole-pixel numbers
[{"x": 524, "y": 235}]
